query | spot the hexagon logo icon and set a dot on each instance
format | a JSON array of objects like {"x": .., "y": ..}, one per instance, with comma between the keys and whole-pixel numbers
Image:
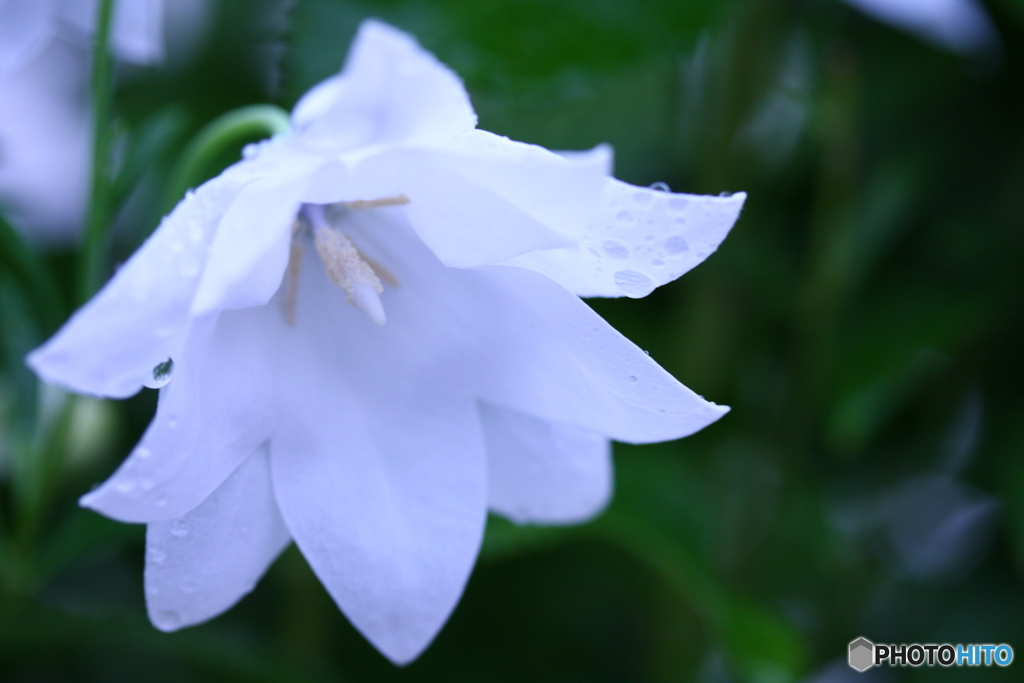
[{"x": 862, "y": 654}]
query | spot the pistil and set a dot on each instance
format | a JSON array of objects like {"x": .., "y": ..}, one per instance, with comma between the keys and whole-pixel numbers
[{"x": 346, "y": 267}]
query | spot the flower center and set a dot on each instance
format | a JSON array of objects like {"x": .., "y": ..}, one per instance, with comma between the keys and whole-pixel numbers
[{"x": 352, "y": 272}]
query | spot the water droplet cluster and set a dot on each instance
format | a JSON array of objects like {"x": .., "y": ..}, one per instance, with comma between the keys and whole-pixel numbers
[{"x": 650, "y": 236}]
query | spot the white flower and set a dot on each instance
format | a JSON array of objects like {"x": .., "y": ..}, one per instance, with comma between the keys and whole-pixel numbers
[
  {"x": 959, "y": 25},
  {"x": 466, "y": 375},
  {"x": 27, "y": 27},
  {"x": 44, "y": 109}
]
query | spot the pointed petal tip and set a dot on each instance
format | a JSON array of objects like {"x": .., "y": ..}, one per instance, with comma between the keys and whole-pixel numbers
[{"x": 166, "y": 620}]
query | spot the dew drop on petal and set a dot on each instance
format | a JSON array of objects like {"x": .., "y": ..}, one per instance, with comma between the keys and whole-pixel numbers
[
  {"x": 661, "y": 186},
  {"x": 156, "y": 555},
  {"x": 179, "y": 529},
  {"x": 624, "y": 216},
  {"x": 160, "y": 375},
  {"x": 642, "y": 197},
  {"x": 615, "y": 250},
  {"x": 677, "y": 203},
  {"x": 676, "y": 245},
  {"x": 633, "y": 283},
  {"x": 632, "y": 378},
  {"x": 657, "y": 262}
]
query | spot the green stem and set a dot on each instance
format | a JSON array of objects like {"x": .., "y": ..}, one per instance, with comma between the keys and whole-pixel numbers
[
  {"x": 25, "y": 264},
  {"x": 97, "y": 226},
  {"x": 240, "y": 125}
]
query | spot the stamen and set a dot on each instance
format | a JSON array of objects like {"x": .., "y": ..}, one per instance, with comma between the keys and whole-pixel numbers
[
  {"x": 383, "y": 273},
  {"x": 292, "y": 281},
  {"x": 397, "y": 200}
]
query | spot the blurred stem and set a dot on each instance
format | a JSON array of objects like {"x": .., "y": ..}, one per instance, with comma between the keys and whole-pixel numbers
[
  {"x": 227, "y": 130},
  {"x": 38, "y": 467},
  {"x": 25, "y": 264},
  {"x": 97, "y": 226}
]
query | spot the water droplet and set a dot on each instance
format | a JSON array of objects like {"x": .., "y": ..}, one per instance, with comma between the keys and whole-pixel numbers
[
  {"x": 168, "y": 620},
  {"x": 632, "y": 378},
  {"x": 661, "y": 187},
  {"x": 642, "y": 197},
  {"x": 633, "y": 284},
  {"x": 595, "y": 252},
  {"x": 676, "y": 244},
  {"x": 725, "y": 194},
  {"x": 161, "y": 374},
  {"x": 657, "y": 262},
  {"x": 615, "y": 250},
  {"x": 179, "y": 529},
  {"x": 156, "y": 555},
  {"x": 678, "y": 203},
  {"x": 624, "y": 216},
  {"x": 172, "y": 422},
  {"x": 661, "y": 410}
]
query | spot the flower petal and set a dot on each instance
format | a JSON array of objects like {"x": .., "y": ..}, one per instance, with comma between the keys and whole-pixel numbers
[
  {"x": 559, "y": 191},
  {"x": 562, "y": 362},
  {"x": 391, "y": 91},
  {"x": 515, "y": 338},
  {"x": 643, "y": 239},
  {"x": 216, "y": 410},
  {"x": 249, "y": 251},
  {"x": 25, "y": 30},
  {"x": 544, "y": 472},
  {"x": 202, "y": 563},
  {"x": 379, "y": 466},
  {"x": 463, "y": 223},
  {"x": 139, "y": 319}
]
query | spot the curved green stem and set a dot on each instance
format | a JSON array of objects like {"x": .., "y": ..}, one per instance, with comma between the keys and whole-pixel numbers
[
  {"x": 97, "y": 225},
  {"x": 245, "y": 123}
]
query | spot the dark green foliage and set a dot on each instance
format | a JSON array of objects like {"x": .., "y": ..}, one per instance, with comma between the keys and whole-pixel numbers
[{"x": 863, "y": 320}]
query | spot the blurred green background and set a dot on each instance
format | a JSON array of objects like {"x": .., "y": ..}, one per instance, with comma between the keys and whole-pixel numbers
[{"x": 864, "y": 321}]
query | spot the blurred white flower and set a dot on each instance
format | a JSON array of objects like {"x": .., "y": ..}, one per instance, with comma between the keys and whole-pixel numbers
[
  {"x": 372, "y": 335},
  {"x": 44, "y": 106},
  {"x": 27, "y": 28},
  {"x": 959, "y": 25}
]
